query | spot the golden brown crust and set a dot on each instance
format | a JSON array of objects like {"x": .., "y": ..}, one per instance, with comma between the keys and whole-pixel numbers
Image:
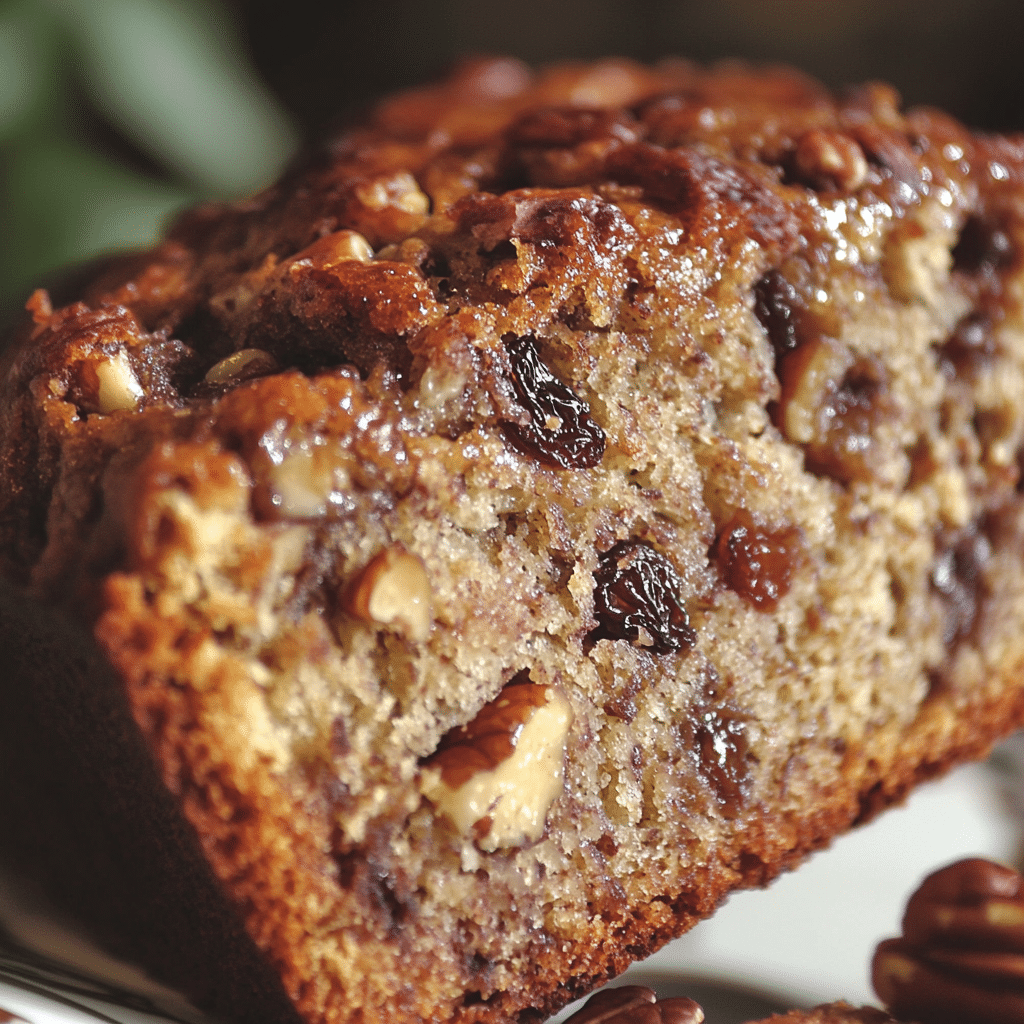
[{"x": 690, "y": 395}]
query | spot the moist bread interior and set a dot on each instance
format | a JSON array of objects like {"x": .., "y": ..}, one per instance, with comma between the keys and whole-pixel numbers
[{"x": 670, "y": 416}]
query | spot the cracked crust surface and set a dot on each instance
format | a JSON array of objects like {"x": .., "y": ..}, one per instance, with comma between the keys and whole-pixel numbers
[{"x": 689, "y": 399}]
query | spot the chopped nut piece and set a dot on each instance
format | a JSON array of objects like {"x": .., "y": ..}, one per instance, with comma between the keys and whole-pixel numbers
[
  {"x": 307, "y": 479},
  {"x": 336, "y": 248},
  {"x": 119, "y": 388},
  {"x": 394, "y": 591},
  {"x": 809, "y": 373},
  {"x": 500, "y": 774},
  {"x": 399, "y": 191},
  {"x": 916, "y": 262},
  {"x": 241, "y": 365},
  {"x": 830, "y": 158}
]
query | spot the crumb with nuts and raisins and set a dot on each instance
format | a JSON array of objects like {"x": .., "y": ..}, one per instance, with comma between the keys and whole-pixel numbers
[{"x": 565, "y": 498}]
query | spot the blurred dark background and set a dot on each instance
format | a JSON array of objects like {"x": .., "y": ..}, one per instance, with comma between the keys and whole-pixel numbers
[
  {"x": 114, "y": 113},
  {"x": 965, "y": 57}
]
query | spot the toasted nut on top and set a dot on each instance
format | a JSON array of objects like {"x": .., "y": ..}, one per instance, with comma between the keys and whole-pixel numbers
[
  {"x": 830, "y": 158},
  {"x": 394, "y": 591},
  {"x": 242, "y": 365},
  {"x": 336, "y": 248},
  {"x": 399, "y": 190},
  {"x": 961, "y": 956},
  {"x": 499, "y": 775},
  {"x": 118, "y": 387}
]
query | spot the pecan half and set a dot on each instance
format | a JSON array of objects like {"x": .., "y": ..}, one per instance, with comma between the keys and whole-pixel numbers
[
  {"x": 497, "y": 777},
  {"x": 393, "y": 592},
  {"x": 961, "y": 956},
  {"x": 635, "y": 1004}
]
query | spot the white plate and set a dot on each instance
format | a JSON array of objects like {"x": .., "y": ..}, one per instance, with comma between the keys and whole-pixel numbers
[{"x": 805, "y": 940}]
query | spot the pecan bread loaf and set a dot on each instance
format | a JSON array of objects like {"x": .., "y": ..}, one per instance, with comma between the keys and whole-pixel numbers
[{"x": 564, "y": 499}]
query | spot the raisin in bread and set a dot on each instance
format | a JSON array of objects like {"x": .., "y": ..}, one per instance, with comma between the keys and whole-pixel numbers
[{"x": 564, "y": 499}]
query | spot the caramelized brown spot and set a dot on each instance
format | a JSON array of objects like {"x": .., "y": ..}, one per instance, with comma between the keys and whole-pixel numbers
[
  {"x": 563, "y": 127},
  {"x": 972, "y": 343},
  {"x": 848, "y": 419},
  {"x": 712, "y": 198},
  {"x": 984, "y": 247},
  {"x": 559, "y": 146},
  {"x": 722, "y": 747},
  {"x": 637, "y": 599},
  {"x": 560, "y": 432},
  {"x": 356, "y": 313},
  {"x": 958, "y": 577},
  {"x": 756, "y": 562}
]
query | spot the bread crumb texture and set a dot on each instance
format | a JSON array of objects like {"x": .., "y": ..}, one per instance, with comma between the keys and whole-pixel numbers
[{"x": 563, "y": 499}]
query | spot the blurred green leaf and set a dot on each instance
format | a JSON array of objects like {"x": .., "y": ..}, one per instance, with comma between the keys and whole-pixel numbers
[
  {"x": 169, "y": 76},
  {"x": 24, "y": 66},
  {"x": 73, "y": 204}
]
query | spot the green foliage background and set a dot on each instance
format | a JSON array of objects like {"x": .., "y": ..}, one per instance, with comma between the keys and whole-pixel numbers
[{"x": 113, "y": 114}]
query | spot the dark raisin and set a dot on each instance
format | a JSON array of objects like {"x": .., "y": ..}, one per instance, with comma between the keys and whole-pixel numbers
[
  {"x": 757, "y": 563},
  {"x": 561, "y": 432},
  {"x": 958, "y": 577},
  {"x": 983, "y": 247},
  {"x": 637, "y": 595},
  {"x": 970, "y": 345},
  {"x": 722, "y": 748},
  {"x": 784, "y": 315},
  {"x": 776, "y": 305}
]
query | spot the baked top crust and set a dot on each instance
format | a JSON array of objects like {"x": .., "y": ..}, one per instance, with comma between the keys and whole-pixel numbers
[{"x": 663, "y": 422}]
